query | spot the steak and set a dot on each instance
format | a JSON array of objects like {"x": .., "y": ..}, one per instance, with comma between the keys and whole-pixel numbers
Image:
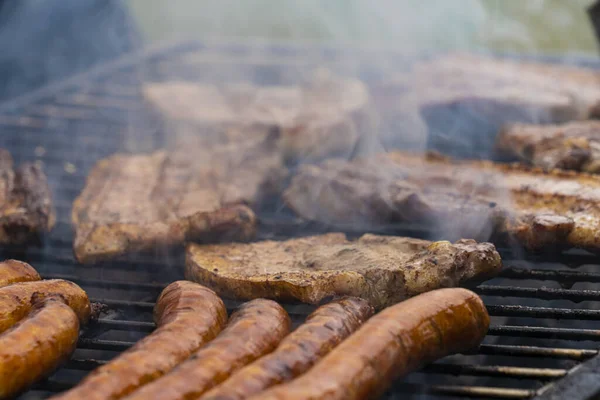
[
  {"x": 323, "y": 117},
  {"x": 26, "y": 209},
  {"x": 574, "y": 145},
  {"x": 140, "y": 202},
  {"x": 381, "y": 269},
  {"x": 475, "y": 199}
]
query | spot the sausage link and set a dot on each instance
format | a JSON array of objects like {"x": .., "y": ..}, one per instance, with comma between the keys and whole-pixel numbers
[
  {"x": 36, "y": 345},
  {"x": 13, "y": 271},
  {"x": 16, "y": 299},
  {"x": 254, "y": 330},
  {"x": 188, "y": 316},
  {"x": 323, "y": 330},
  {"x": 393, "y": 343}
]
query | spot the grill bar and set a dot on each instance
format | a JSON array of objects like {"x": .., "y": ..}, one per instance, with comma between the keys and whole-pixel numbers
[
  {"x": 544, "y": 293},
  {"x": 544, "y": 332}
]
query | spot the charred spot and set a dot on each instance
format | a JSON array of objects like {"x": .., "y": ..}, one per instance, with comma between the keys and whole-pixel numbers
[
  {"x": 215, "y": 269},
  {"x": 492, "y": 204}
]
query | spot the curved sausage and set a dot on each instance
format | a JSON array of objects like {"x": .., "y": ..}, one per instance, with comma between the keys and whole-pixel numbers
[
  {"x": 254, "y": 330},
  {"x": 13, "y": 271},
  {"x": 35, "y": 346},
  {"x": 16, "y": 299},
  {"x": 323, "y": 330},
  {"x": 188, "y": 316},
  {"x": 393, "y": 343}
]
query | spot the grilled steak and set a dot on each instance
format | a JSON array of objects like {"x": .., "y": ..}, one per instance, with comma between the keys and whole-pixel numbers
[
  {"x": 473, "y": 199},
  {"x": 321, "y": 118},
  {"x": 381, "y": 269},
  {"x": 26, "y": 208},
  {"x": 139, "y": 202},
  {"x": 575, "y": 145}
]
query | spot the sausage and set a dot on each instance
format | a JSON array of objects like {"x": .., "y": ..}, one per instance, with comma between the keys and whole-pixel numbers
[
  {"x": 37, "y": 344},
  {"x": 393, "y": 343},
  {"x": 254, "y": 330},
  {"x": 13, "y": 271},
  {"x": 187, "y": 315},
  {"x": 323, "y": 330},
  {"x": 16, "y": 299}
]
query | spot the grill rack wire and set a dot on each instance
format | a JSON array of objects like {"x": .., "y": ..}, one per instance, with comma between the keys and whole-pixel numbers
[{"x": 545, "y": 329}]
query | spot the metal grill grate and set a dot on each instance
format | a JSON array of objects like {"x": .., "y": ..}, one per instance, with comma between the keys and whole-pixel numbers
[{"x": 545, "y": 315}]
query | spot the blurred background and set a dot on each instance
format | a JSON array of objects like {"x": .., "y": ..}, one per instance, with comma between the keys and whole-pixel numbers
[{"x": 550, "y": 26}]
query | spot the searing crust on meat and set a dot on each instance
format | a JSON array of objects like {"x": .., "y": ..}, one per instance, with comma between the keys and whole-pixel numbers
[
  {"x": 13, "y": 271},
  {"x": 322, "y": 331},
  {"x": 473, "y": 199},
  {"x": 320, "y": 118},
  {"x": 36, "y": 345},
  {"x": 575, "y": 145},
  {"x": 381, "y": 269},
  {"x": 136, "y": 203},
  {"x": 26, "y": 209}
]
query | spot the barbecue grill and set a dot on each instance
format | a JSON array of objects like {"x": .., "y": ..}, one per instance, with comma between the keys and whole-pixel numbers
[{"x": 545, "y": 321}]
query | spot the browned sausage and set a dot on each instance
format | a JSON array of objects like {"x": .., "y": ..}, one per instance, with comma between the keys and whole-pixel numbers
[
  {"x": 35, "y": 346},
  {"x": 16, "y": 299},
  {"x": 188, "y": 316},
  {"x": 13, "y": 271},
  {"x": 254, "y": 330},
  {"x": 323, "y": 330},
  {"x": 396, "y": 341}
]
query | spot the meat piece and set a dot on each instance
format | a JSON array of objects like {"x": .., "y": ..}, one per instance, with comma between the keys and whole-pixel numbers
[
  {"x": 13, "y": 271},
  {"x": 575, "y": 145},
  {"x": 36, "y": 345},
  {"x": 381, "y": 269},
  {"x": 17, "y": 300},
  {"x": 187, "y": 316},
  {"x": 254, "y": 330},
  {"x": 26, "y": 209},
  {"x": 323, "y": 330},
  {"x": 322, "y": 117},
  {"x": 393, "y": 343},
  {"x": 137, "y": 203},
  {"x": 475, "y": 199}
]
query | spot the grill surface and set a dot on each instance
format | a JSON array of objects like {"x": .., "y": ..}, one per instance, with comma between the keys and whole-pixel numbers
[{"x": 545, "y": 314}]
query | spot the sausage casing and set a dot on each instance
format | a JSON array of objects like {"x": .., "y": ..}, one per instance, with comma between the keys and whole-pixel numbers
[
  {"x": 254, "y": 330},
  {"x": 13, "y": 271},
  {"x": 393, "y": 343},
  {"x": 36, "y": 345},
  {"x": 323, "y": 330},
  {"x": 16, "y": 300},
  {"x": 188, "y": 316}
]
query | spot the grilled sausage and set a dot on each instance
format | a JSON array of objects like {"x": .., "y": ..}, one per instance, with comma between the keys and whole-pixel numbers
[
  {"x": 398, "y": 340},
  {"x": 16, "y": 299},
  {"x": 323, "y": 330},
  {"x": 13, "y": 271},
  {"x": 36, "y": 345},
  {"x": 188, "y": 316},
  {"x": 254, "y": 330}
]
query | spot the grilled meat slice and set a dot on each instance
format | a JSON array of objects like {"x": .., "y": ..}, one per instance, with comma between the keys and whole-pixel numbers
[
  {"x": 323, "y": 117},
  {"x": 391, "y": 344},
  {"x": 473, "y": 199},
  {"x": 380, "y": 269},
  {"x": 574, "y": 145},
  {"x": 139, "y": 202},
  {"x": 26, "y": 209}
]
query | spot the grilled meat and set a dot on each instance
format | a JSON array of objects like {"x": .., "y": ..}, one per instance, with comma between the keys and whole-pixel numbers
[
  {"x": 36, "y": 345},
  {"x": 137, "y": 203},
  {"x": 323, "y": 330},
  {"x": 473, "y": 199},
  {"x": 26, "y": 209},
  {"x": 18, "y": 299},
  {"x": 253, "y": 331},
  {"x": 575, "y": 145},
  {"x": 187, "y": 316},
  {"x": 13, "y": 271},
  {"x": 323, "y": 117},
  {"x": 393, "y": 343},
  {"x": 380, "y": 269}
]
